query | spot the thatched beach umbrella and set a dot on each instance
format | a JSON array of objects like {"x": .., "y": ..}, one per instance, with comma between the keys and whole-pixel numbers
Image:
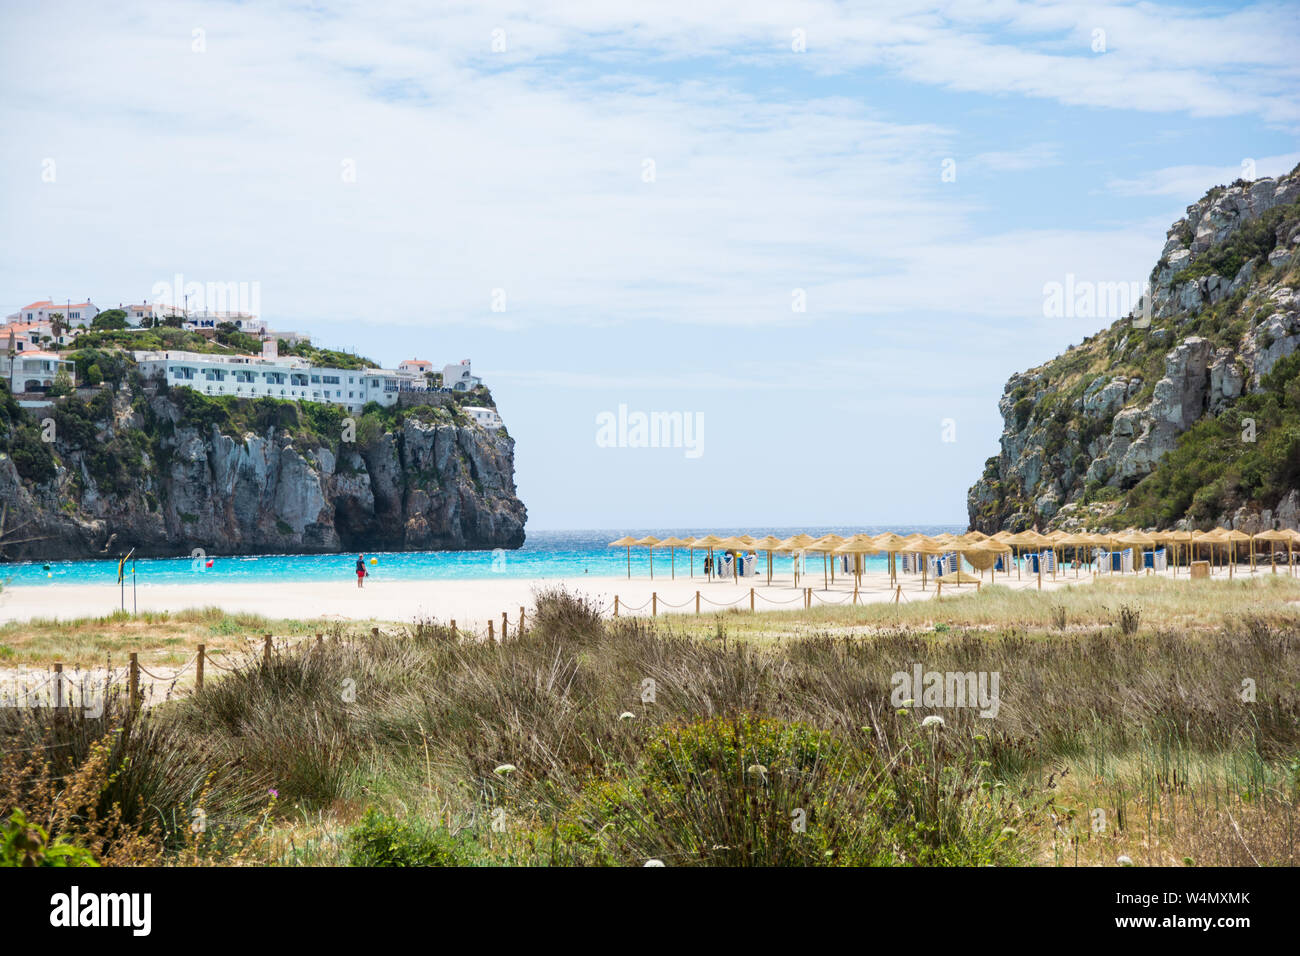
[
  {"x": 920, "y": 544},
  {"x": 649, "y": 542},
  {"x": 708, "y": 543},
  {"x": 796, "y": 544},
  {"x": 857, "y": 545},
  {"x": 1293, "y": 537},
  {"x": 1075, "y": 541},
  {"x": 1004, "y": 537},
  {"x": 672, "y": 544},
  {"x": 1199, "y": 540},
  {"x": 1138, "y": 540},
  {"x": 1102, "y": 540},
  {"x": 1273, "y": 536},
  {"x": 892, "y": 545},
  {"x": 1233, "y": 538},
  {"x": 625, "y": 542},
  {"x": 1212, "y": 539},
  {"x": 826, "y": 544},
  {"x": 1174, "y": 539},
  {"x": 983, "y": 553},
  {"x": 1027, "y": 539},
  {"x": 734, "y": 544},
  {"x": 769, "y": 544}
]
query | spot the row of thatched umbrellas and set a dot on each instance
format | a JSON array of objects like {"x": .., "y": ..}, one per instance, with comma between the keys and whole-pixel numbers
[{"x": 981, "y": 551}]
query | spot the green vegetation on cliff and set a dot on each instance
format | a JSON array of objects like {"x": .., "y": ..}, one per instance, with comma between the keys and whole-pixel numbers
[
  {"x": 1142, "y": 423},
  {"x": 326, "y": 358},
  {"x": 1249, "y": 452},
  {"x": 313, "y": 424}
]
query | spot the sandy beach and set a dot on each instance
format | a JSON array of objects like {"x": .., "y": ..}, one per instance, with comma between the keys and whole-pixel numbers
[{"x": 470, "y": 602}]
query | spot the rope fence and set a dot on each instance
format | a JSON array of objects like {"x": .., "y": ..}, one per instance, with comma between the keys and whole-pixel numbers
[{"x": 202, "y": 659}]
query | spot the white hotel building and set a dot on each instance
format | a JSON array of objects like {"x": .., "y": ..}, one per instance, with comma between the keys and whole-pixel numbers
[{"x": 288, "y": 377}]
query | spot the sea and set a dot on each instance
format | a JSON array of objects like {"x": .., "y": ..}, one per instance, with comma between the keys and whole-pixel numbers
[{"x": 545, "y": 554}]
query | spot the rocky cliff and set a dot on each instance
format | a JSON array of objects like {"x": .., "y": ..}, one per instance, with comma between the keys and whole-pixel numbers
[
  {"x": 167, "y": 473},
  {"x": 1187, "y": 411}
]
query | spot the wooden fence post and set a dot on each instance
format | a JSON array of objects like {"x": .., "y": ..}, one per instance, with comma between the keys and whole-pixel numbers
[
  {"x": 654, "y": 603},
  {"x": 751, "y": 599},
  {"x": 266, "y": 650},
  {"x": 616, "y": 605},
  {"x": 374, "y": 632},
  {"x": 453, "y": 629},
  {"x": 855, "y": 594},
  {"x": 697, "y": 602},
  {"x": 491, "y": 638},
  {"x": 133, "y": 683},
  {"x": 198, "y": 665},
  {"x": 521, "y": 622},
  {"x": 505, "y": 625},
  {"x": 939, "y": 591},
  {"x": 898, "y": 594},
  {"x": 58, "y": 685}
]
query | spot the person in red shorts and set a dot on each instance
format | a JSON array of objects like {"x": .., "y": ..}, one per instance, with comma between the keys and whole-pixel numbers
[{"x": 361, "y": 570}]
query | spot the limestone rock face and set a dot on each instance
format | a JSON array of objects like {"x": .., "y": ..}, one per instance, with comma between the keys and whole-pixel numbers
[
  {"x": 1208, "y": 223},
  {"x": 417, "y": 487},
  {"x": 1097, "y": 420}
]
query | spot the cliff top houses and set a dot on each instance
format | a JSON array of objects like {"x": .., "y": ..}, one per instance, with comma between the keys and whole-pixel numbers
[
  {"x": 28, "y": 331},
  {"x": 74, "y": 313},
  {"x": 295, "y": 378}
]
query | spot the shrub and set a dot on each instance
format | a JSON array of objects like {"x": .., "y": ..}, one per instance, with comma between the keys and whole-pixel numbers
[
  {"x": 1022, "y": 410},
  {"x": 750, "y": 791},
  {"x": 382, "y": 840},
  {"x": 566, "y": 616},
  {"x": 27, "y": 844},
  {"x": 31, "y": 456},
  {"x": 109, "y": 319}
]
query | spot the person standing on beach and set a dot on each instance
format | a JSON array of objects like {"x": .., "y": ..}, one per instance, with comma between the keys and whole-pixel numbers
[{"x": 361, "y": 570}]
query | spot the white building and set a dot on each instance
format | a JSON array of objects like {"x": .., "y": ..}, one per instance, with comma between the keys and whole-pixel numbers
[
  {"x": 486, "y": 417},
  {"x": 417, "y": 366},
  {"x": 26, "y": 336},
  {"x": 29, "y": 371},
  {"x": 74, "y": 313},
  {"x": 136, "y": 314},
  {"x": 287, "y": 377},
  {"x": 243, "y": 321},
  {"x": 459, "y": 378}
]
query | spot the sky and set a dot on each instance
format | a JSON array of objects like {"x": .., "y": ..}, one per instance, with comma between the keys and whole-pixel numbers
[{"x": 821, "y": 232}]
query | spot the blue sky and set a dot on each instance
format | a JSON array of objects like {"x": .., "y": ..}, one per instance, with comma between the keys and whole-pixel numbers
[{"x": 208, "y": 139}]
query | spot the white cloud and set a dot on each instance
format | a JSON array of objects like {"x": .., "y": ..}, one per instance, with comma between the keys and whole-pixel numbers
[{"x": 1191, "y": 182}]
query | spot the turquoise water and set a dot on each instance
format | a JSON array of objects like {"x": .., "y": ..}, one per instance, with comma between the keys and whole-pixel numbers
[{"x": 547, "y": 554}]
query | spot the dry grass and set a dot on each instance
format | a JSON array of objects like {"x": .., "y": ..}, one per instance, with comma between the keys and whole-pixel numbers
[
  {"x": 161, "y": 639},
  {"x": 1164, "y": 602},
  {"x": 1150, "y": 727}
]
